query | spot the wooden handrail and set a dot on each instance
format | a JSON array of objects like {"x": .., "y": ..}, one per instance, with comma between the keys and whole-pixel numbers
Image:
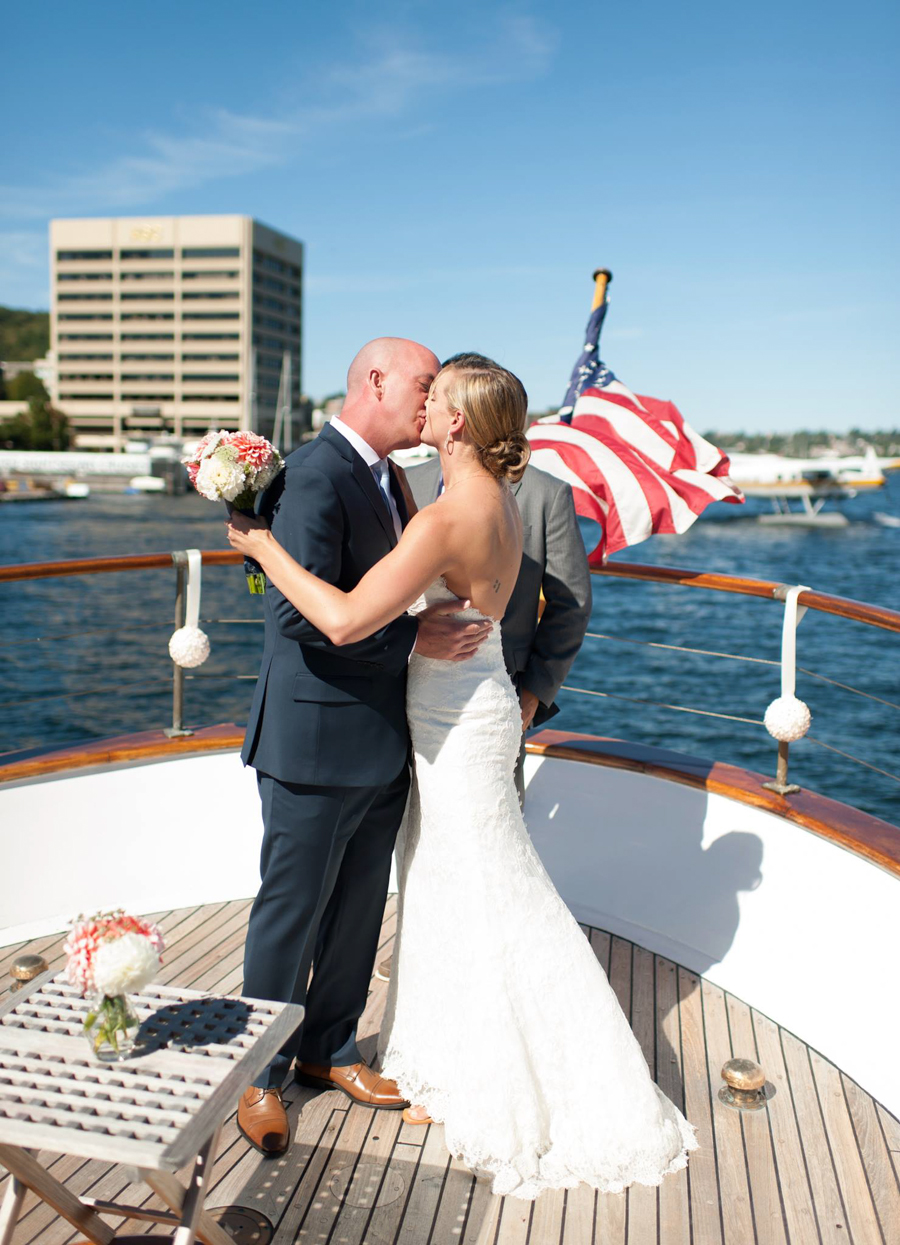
[
  {"x": 103, "y": 566},
  {"x": 768, "y": 589},
  {"x": 867, "y": 836}
]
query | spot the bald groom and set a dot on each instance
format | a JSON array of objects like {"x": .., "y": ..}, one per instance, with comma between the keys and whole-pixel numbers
[{"x": 328, "y": 738}]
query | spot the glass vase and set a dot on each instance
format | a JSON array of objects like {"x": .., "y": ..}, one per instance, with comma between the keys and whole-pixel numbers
[{"x": 111, "y": 1026}]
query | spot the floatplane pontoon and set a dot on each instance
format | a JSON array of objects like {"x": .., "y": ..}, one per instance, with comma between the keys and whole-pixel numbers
[{"x": 812, "y": 481}]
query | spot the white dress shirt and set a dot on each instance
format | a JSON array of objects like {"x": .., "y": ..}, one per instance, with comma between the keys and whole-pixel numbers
[{"x": 378, "y": 466}]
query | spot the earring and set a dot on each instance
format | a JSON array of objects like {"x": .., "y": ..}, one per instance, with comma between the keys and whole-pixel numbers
[{"x": 448, "y": 444}]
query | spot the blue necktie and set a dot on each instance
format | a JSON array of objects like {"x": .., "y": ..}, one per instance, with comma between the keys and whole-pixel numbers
[{"x": 380, "y": 471}]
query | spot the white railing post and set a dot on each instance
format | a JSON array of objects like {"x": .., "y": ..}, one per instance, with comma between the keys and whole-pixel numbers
[{"x": 787, "y": 718}]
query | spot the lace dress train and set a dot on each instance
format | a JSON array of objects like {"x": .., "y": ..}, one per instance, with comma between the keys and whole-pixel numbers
[{"x": 499, "y": 1019}]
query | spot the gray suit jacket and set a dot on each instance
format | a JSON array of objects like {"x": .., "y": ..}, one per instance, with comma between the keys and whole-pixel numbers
[{"x": 538, "y": 653}]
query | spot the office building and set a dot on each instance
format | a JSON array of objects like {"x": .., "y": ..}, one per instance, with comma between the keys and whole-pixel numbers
[{"x": 173, "y": 325}]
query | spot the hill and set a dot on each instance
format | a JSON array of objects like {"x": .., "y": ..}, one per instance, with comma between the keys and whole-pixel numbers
[{"x": 24, "y": 335}]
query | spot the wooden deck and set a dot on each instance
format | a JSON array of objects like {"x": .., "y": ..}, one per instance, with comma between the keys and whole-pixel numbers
[{"x": 820, "y": 1165}]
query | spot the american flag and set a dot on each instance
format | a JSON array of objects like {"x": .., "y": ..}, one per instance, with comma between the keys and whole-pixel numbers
[{"x": 635, "y": 465}]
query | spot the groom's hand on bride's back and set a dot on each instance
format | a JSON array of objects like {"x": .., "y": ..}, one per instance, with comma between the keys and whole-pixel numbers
[{"x": 445, "y": 638}]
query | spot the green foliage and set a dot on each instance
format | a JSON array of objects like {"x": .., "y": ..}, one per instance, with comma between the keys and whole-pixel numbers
[
  {"x": 41, "y": 427},
  {"x": 24, "y": 335},
  {"x": 807, "y": 443},
  {"x": 24, "y": 387}
]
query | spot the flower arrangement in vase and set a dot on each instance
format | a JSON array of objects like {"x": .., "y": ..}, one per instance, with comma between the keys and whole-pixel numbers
[{"x": 108, "y": 955}]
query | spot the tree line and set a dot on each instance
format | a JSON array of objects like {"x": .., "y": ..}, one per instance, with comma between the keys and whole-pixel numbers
[{"x": 41, "y": 426}]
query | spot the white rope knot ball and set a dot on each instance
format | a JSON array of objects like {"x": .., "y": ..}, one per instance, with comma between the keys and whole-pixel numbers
[
  {"x": 189, "y": 647},
  {"x": 787, "y": 719}
]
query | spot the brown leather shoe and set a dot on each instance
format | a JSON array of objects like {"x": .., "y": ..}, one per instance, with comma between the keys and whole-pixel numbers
[
  {"x": 383, "y": 971},
  {"x": 263, "y": 1120},
  {"x": 357, "y": 1081}
]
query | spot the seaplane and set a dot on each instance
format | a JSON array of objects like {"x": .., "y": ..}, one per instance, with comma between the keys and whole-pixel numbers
[{"x": 813, "y": 481}]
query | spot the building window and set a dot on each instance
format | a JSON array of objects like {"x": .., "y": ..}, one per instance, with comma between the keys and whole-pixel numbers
[
  {"x": 211, "y": 377},
  {"x": 153, "y": 253},
  {"x": 64, "y": 255},
  {"x": 81, "y": 297},
  {"x": 211, "y": 315},
  {"x": 68, "y": 377},
  {"x": 267, "y": 322},
  {"x": 148, "y": 337},
  {"x": 85, "y": 397},
  {"x": 213, "y": 274},
  {"x": 85, "y": 337},
  {"x": 271, "y": 264},
  {"x": 211, "y": 337},
  {"x": 273, "y": 362},
  {"x": 146, "y": 276},
  {"x": 211, "y": 294},
  {"x": 146, "y": 315},
  {"x": 275, "y": 287},
  {"x": 142, "y": 376},
  {"x": 148, "y": 397},
  {"x": 152, "y": 358},
  {"x": 210, "y": 252},
  {"x": 209, "y": 358},
  {"x": 85, "y": 357},
  {"x": 87, "y": 315},
  {"x": 146, "y": 295},
  {"x": 275, "y": 304},
  {"x": 211, "y": 397},
  {"x": 84, "y": 276}
]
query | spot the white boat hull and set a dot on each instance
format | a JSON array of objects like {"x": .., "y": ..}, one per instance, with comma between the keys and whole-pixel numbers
[{"x": 771, "y": 912}]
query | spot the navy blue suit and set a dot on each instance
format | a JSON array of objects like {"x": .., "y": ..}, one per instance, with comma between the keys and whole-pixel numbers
[{"x": 327, "y": 735}]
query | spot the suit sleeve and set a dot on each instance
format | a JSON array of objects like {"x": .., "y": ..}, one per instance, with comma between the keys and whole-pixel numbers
[
  {"x": 307, "y": 518},
  {"x": 422, "y": 480},
  {"x": 567, "y": 592}
]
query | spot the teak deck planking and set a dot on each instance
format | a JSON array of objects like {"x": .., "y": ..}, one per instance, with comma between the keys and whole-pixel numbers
[{"x": 820, "y": 1164}]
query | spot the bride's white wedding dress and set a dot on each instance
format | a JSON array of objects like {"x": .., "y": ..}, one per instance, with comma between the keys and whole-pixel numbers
[{"x": 499, "y": 1019}]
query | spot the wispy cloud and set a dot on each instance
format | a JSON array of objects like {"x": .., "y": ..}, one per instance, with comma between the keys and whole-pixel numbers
[{"x": 385, "y": 83}]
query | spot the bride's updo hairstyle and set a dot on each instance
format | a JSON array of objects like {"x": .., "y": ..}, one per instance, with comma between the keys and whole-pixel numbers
[{"x": 495, "y": 405}]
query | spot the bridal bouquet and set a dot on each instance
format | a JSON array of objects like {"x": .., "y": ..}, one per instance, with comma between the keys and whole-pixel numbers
[
  {"x": 108, "y": 955},
  {"x": 233, "y": 467}
]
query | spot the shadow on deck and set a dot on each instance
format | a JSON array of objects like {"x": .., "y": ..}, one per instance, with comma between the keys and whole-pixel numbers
[{"x": 821, "y": 1164}]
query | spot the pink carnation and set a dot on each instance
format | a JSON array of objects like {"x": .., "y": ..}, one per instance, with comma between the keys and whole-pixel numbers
[
  {"x": 251, "y": 449},
  {"x": 88, "y": 934},
  {"x": 208, "y": 443}
]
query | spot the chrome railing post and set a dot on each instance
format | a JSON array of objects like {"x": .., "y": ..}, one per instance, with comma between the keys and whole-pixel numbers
[{"x": 177, "y": 730}]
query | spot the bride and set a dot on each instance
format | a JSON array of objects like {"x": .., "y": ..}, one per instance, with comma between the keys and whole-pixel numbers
[{"x": 500, "y": 1023}]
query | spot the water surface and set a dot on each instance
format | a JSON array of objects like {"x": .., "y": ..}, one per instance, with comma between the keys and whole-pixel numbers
[{"x": 86, "y": 657}]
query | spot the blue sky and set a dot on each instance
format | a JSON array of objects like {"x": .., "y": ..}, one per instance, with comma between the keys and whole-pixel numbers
[{"x": 456, "y": 173}]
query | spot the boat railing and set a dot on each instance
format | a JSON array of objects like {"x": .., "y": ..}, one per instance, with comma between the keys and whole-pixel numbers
[{"x": 795, "y": 597}]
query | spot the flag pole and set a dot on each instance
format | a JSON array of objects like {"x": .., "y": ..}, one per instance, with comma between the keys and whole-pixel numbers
[{"x": 602, "y": 278}]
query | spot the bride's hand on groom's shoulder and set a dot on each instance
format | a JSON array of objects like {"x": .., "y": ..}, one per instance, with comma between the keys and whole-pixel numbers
[{"x": 445, "y": 638}]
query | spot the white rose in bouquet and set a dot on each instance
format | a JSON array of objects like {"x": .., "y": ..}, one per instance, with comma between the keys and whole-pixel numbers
[
  {"x": 220, "y": 477},
  {"x": 124, "y": 964}
]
